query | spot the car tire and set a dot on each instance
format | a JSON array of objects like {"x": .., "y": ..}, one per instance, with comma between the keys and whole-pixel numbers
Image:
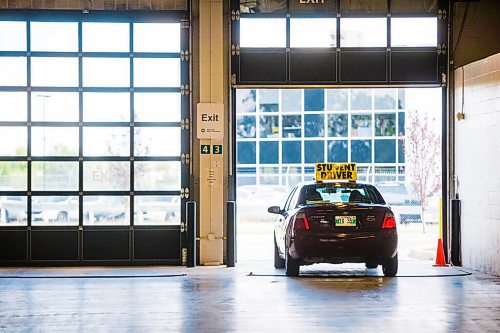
[
  {"x": 371, "y": 265},
  {"x": 278, "y": 261},
  {"x": 292, "y": 267},
  {"x": 62, "y": 217},
  {"x": 390, "y": 267}
]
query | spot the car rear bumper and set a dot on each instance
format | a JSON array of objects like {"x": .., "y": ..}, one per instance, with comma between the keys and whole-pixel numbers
[{"x": 345, "y": 247}]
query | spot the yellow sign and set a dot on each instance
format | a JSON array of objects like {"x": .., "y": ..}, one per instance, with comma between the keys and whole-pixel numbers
[{"x": 336, "y": 171}]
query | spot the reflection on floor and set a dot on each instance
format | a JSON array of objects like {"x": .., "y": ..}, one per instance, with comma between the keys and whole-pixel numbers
[{"x": 218, "y": 299}]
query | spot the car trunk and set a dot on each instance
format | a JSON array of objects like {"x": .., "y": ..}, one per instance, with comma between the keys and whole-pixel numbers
[{"x": 345, "y": 218}]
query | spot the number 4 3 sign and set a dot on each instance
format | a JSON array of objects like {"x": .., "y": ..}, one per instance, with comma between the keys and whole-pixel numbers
[{"x": 214, "y": 149}]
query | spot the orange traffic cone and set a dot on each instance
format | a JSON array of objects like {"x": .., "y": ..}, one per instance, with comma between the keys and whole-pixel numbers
[{"x": 440, "y": 262}]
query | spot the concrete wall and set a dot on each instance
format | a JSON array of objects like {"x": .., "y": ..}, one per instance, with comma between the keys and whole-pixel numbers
[{"x": 477, "y": 140}]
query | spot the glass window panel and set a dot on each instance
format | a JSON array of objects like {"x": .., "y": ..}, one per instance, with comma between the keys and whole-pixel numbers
[
  {"x": 106, "y": 107},
  {"x": 291, "y": 100},
  {"x": 157, "y": 210},
  {"x": 269, "y": 180},
  {"x": 337, "y": 99},
  {"x": 384, "y": 99},
  {"x": 401, "y": 99},
  {"x": 361, "y": 125},
  {"x": 314, "y": 125},
  {"x": 54, "y": 141},
  {"x": 12, "y": 71},
  {"x": 54, "y": 72},
  {"x": 54, "y": 36},
  {"x": 324, "y": 35},
  {"x": 105, "y": 37},
  {"x": 314, "y": 151},
  {"x": 157, "y": 176},
  {"x": 157, "y": 141},
  {"x": 337, "y": 151},
  {"x": 314, "y": 99},
  {"x": 291, "y": 152},
  {"x": 54, "y": 210},
  {"x": 269, "y": 100},
  {"x": 54, "y": 176},
  {"x": 156, "y": 107},
  {"x": 385, "y": 124},
  {"x": 151, "y": 72},
  {"x": 254, "y": 32},
  {"x": 13, "y": 176},
  {"x": 401, "y": 151},
  {"x": 13, "y": 211},
  {"x": 13, "y": 106},
  {"x": 106, "y": 176},
  {"x": 361, "y": 99},
  {"x": 246, "y": 100},
  {"x": 106, "y": 72},
  {"x": 245, "y": 126},
  {"x": 157, "y": 37},
  {"x": 385, "y": 151},
  {"x": 245, "y": 152},
  {"x": 292, "y": 126},
  {"x": 12, "y": 36},
  {"x": 106, "y": 141},
  {"x": 269, "y": 127},
  {"x": 13, "y": 141},
  {"x": 363, "y": 32},
  {"x": 106, "y": 210},
  {"x": 414, "y": 32},
  {"x": 54, "y": 106},
  {"x": 361, "y": 151},
  {"x": 337, "y": 125},
  {"x": 401, "y": 123},
  {"x": 268, "y": 153}
]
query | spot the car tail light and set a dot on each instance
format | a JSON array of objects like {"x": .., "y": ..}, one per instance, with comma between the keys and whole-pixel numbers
[
  {"x": 389, "y": 221},
  {"x": 300, "y": 222}
]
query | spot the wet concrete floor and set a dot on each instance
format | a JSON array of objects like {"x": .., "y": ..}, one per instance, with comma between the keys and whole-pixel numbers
[{"x": 328, "y": 298}]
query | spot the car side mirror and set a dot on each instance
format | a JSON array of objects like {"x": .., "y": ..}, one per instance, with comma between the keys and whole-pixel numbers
[{"x": 275, "y": 210}]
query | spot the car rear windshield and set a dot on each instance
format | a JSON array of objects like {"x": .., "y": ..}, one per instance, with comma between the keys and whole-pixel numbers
[{"x": 339, "y": 193}]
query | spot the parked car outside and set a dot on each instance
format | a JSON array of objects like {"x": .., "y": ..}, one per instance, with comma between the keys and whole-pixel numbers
[
  {"x": 406, "y": 206},
  {"x": 12, "y": 209},
  {"x": 54, "y": 209}
]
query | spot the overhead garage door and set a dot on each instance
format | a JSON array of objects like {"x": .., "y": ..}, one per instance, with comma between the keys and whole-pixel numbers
[{"x": 92, "y": 137}]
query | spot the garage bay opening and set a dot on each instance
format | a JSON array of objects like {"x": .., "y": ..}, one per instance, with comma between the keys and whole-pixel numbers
[{"x": 393, "y": 134}]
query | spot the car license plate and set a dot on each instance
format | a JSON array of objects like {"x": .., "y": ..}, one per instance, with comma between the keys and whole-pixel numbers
[{"x": 345, "y": 221}]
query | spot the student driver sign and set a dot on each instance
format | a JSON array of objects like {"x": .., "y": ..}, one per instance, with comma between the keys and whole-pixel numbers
[{"x": 336, "y": 171}]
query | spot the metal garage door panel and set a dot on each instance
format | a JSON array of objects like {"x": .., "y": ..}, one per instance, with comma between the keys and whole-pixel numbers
[
  {"x": 54, "y": 245},
  {"x": 13, "y": 245},
  {"x": 310, "y": 65},
  {"x": 157, "y": 244},
  {"x": 358, "y": 66},
  {"x": 106, "y": 245},
  {"x": 258, "y": 67},
  {"x": 414, "y": 66}
]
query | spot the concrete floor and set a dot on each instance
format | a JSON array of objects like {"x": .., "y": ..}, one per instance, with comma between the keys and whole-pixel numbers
[{"x": 329, "y": 298}]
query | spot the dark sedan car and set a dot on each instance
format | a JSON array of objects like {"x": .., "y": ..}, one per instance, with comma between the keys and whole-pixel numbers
[{"x": 335, "y": 222}]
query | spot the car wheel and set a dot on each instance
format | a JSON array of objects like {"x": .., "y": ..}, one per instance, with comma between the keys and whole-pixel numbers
[
  {"x": 278, "y": 261},
  {"x": 292, "y": 267},
  {"x": 62, "y": 217},
  {"x": 390, "y": 267},
  {"x": 371, "y": 265}
]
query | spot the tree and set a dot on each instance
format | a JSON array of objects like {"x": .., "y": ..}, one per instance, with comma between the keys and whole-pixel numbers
[{"x": 423, "y": 157}]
